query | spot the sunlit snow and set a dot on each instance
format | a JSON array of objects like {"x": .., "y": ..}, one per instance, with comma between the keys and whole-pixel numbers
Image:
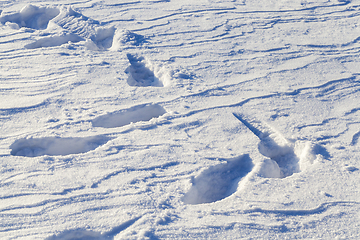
[{"x": 168, "y": 119}]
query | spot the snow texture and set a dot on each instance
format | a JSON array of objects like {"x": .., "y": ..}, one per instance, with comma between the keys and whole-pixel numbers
[
  {"x": 218, "y": 182},
  {"x": 164, "y": 119}
]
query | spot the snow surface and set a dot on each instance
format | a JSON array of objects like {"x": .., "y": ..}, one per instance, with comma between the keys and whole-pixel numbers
[{"x": 166, "y": 119}]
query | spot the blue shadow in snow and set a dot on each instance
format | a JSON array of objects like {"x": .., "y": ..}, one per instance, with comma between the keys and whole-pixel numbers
[
  {"x": 218, "y": 182},
  {"x": 82, "y": 234}
]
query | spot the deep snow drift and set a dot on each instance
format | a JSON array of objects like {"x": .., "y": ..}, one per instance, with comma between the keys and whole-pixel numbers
[{"x": 180, "y": 119}]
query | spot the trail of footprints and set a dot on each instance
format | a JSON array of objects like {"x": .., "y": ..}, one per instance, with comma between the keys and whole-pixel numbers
[
  {"x": 283, "y": 158},
  {"x": 76, "y": 27},
  {"x": 53, "y": 146}
]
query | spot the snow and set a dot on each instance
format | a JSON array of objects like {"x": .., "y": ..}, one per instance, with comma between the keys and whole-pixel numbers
[
  {"x": 216, "y": 182},
  {"x": 131, "y": 115},
  {"x": 55, "y": 146},
  {"x": 170, "y": 119},
  {"x": 31, "y": 16}
]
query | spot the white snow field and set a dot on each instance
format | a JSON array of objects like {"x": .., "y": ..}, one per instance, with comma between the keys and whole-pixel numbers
[{"x": 180, "y": 119}]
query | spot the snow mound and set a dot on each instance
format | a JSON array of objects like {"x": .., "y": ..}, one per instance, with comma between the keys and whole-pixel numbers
[
  {"x": 143, "y": 73},
  {"x": 289, "y": 159},
  {"x": 67, "y": 25},
  {"x": 72, "y": 22},
  {"x": 309, "y": 152},
  {"x": 34, "y": 147},
  {"x": 282, "y": 154},
  {"x": 125, "y": 37},
  {"x": 31, "y": 17},
  {"x": 127, "y": 116},
  {"x": 269, "y": 169},
  {"x": 218, "y": 182},
  {"x": 63, "y": 24}
]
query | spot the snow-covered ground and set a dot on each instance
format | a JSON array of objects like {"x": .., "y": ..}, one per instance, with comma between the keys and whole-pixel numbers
[{"x": 169, "y": 119}]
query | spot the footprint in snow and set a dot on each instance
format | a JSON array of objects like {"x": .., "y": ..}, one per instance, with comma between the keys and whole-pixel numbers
[
  {"x": 52, "y": 146},
  {"x": 131, "y": 115},
  {"x": 142, "y": 73},
  {"x": 218, "y": 182},
  {"x": 284, "y": 157},
  {"x": 81, "y": 234}
]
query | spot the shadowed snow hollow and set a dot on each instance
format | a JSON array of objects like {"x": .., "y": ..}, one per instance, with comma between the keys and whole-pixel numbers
[
  {"x": 218, "y": 182},
  {"x": 79, "y": 235},
  {"x": 127, "y": 116},
  {"x": 82, "y": 234},
  {"x": 285, "y": 157},
  {"x": 53, "y": 146},
  {"x": 142, "y": 73}
]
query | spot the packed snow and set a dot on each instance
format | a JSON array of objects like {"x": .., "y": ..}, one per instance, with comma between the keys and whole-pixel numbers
[{"x": 165, "y": 119}]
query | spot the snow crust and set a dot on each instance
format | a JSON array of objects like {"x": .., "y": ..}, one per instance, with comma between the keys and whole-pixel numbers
[{"x": 205, "y": 119}]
